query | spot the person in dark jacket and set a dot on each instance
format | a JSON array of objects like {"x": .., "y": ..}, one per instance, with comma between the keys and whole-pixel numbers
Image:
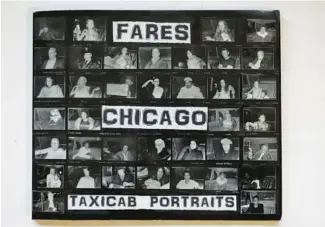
[{"x": 255, "y": 207}]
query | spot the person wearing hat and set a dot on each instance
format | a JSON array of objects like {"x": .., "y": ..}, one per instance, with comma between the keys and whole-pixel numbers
[
  {"x": 121, "y": 179},
  {"x": 227, "y": 151},
  {"x": 46, "y": 34},
  {"x": 156, "y": 62},
  {"x": 226, "y": 61},
  {"x": 189, "y": 91},
  {"x": 88, "y": 62},
  {"x": 52, "y": 62}
]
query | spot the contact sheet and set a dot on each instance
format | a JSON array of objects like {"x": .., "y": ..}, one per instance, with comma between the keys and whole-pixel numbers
[{"x": 157, "y": 115}]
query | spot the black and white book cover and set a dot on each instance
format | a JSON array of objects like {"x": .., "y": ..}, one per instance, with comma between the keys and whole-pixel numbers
[{"x": 156, "y": 115}]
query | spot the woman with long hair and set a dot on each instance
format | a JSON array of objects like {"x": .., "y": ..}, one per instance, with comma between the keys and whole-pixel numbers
[
  {"x": 225, "y": 91},
  {"x": 84, "y": 122},
  {"x": 226, "y": 121},
  {"x": 222, "y": 33}
]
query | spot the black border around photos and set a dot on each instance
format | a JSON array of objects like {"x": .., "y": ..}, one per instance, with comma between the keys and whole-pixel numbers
[{"x": 195, "y": 18}]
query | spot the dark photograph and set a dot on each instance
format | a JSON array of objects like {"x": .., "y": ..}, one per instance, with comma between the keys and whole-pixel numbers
[
  {"x": 261, "y": 30},
  {"x": 49, "y": 57},
  {"x": 49, "y": 28},
  {"x": 218, "y": 30},
  {"x": 85, "y": 148},
  {"x": 47, "y": 201},
  {"x": 260, "y": 149},
  {"x": 89, "y": 57},
  {"x": 84, "y": 119},
  {"x": 223, "y": 87},
  {"x": 85, "y": 87},
  {"x": 118, "y": 177},
  {"x": 155, "y": 58},
  {"x": 152, "y": 148},
  {"x": 259, "y": 119},
  {"x": 189, "y": 58},
  {"x": 258, "y": 202},
  {"x": 89, "y": 29},
  {"x": 258, "y": 58},
  {"x": 257, "y": 86},
  {"x": 223, "y": 149},
  {"x": 153, "y": 177},
  {"x": 223, "y": 57},
  {"x": 221, "y": 179},
  {"x": 154, "y": 86},
  {"x": 49, "y": 118},
  {"x": 49, "y": 176},
  {"x": 120, "y": 58},
  {"x": 186, "y": 149},
  {"x": 119, "y": 149},
  {"x": 85, "y": 177},
  {"x": 49, "y": 87},
  {"x": 48, "y": 147},
  {"x": 121, "y": 85},
  {"x": 224, "y": 119},
  {"x": 188, "y": 178},
  {"x": 188, "y": 87},
  {"x": 257, "y": 177}
]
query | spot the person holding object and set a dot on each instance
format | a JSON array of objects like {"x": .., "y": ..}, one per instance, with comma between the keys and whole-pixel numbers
[
  {"x": 259, "y": 62},
  {"x": 84, "y": 152},
  {"x": 194, "y": 62},
  {"x": 86, "y": 181},
  {"x": 259, "y": 125},
  {"x": 121, "y": 179},
  {"x": 123, "y": 60},
  {"x": 124, "y": 154},
  {"x": 255, "y": 207},
  {"x": 262, "y": 35},
  {"x": 157, "y": 181},
  {"x": 222, "y": 33},
  {"x": 84, "y": 122},
  {"x": 50, "y": 90},
  {"x": 52, "y": 62},
  {"x": 191, "y": 152},
  {"x": 226, "y": 61},
  {"x": 187, "y": 183},
  {"x": 226, "y": 91},
  {"x": 156, "y": 62},
  {"x": 157, "y": 91},
  {"x": 52, "y": 179},
  {"x": 46, "y": 34},
  {"x": 255, "y": 92},
  {"x": 56, "y": 121},
  {"x": 189, "y": 91},
  {"x": 90, "y": 33},
  {"x": 261, "y": 155},
  {"x": 81, "y": 90},
  {"x": 53, "y": 152},
  {"x": 228, "y": 123}
]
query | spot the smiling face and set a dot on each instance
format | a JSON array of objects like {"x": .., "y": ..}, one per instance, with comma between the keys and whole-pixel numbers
[
  {"x": 87, "y": 56},
  {"x": 90, "y": 24},
  {"x": 83, "y": 115},
  {"x": 225, "y": 54},
  {"x": 221, "y": 26},
  {"x": 124, "y": 51},
  {"x": 187, "y": 176},
  {"x": 49, "y": 81},
  {"x": 156, "y": 82},
  {"x": 193, "y": 145},
  {"x": 262, "y": 118},
  {"x": 160, "y": 173}
]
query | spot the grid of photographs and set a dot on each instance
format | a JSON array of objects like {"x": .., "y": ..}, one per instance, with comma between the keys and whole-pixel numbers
[{"x": 232, "y": 66}]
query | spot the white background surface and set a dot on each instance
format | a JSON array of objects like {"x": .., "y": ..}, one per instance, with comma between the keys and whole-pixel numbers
[{"x": 303, "y": 93}]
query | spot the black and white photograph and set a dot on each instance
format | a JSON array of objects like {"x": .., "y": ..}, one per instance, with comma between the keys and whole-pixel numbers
[
  {"x": 84, "y": 177},
  {"x": 89, "y": 29},
  {"x": 257, "y": 177},
  {"x": 48, "y": 201},
  {"x": 188, "y": 178},
  {"x": 85, "y": 148},
  {"x": 49, "y": 87},
  {"x": 50, "y": 147},
  {"x": 258, "y": 202},
  {"x": 49, "y": 176},
  {"x": 120, "y": 58},
  {"x": 154, "y": 86},
  {"x": 121, "y": 85},
  {"x": 153, "y": 148},
  {"x": 189, "y": 87},
  {"x": 186, "y": 148},
  {"x": 258, "y": 86},
  {"x": 223, "y": 57},
  {"x": 258, "y": 58},
  {"x": 222, "y": 148},
  {"x": 49, "y": 28},
  {"x": 260, "y": 119},
  {"x": 189, "y": 57},
  {"x": 218, "y": 30},
  {"x": 223, "y": 87},
  {"x": 119, "y": 149},
  {"x": 261, "y": 30},
  {"x": 86, "y": 57},
  {"x": 46, "y": 118},
  {"x": 118, "y": 177},
  {"x": 85, "y": 87},
  {"x": 153, "y": 177},
  {"x": 221, "y": 179},
  {"x": 224, "y": 120},
  {"x": 52, "y": 57},
  {"x": 84, "y": 119},
  {"x": 260, "y": 149},
  {"x": 155, "y": 57}
]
